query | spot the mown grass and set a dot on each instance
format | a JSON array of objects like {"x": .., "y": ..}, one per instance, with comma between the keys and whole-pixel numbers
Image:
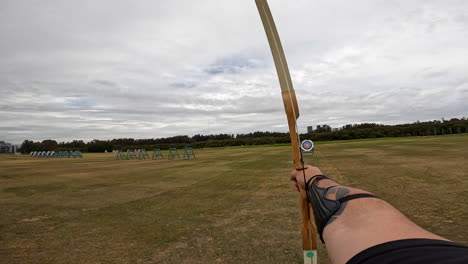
[{"x": 231, "y": 205}]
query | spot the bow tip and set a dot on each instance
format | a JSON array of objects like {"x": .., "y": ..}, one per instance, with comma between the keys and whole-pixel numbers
[{"x": 310, "y": 256}]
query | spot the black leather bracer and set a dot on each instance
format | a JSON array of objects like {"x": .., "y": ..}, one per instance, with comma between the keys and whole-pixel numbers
[{"x": 323, "y": 207}]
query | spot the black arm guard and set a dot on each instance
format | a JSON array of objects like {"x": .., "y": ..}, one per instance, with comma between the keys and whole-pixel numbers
[{"x": 323, "y": 207}]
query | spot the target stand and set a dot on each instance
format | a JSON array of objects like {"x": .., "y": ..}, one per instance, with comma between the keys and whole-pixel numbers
[
  {"x": 142, "y": 154},
  {"x": 173, "y": 153},
  {"x": 157, "y": 154},
  {"x": 188, "y": 153},
  {"x": 307, "y": 147},
  {"x": 121, "y": 155}
]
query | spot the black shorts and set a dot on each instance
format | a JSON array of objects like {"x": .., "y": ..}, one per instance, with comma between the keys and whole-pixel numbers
[{"x": 410, "y": 251}]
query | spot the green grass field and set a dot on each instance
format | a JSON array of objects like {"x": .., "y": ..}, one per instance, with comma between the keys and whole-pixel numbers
[{"x": 231, "y": 205}]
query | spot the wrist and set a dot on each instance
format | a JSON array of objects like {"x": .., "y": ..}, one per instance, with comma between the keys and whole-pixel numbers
[{"x": 321, "y": 182}]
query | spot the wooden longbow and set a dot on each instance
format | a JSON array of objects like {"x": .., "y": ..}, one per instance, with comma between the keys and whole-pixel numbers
[{"x": 309, "y": 231}]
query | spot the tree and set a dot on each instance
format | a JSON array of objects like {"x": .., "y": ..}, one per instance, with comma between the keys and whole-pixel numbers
[
  {"x": 99, "y": 146},
  {"x": 48, "y": 144},
  {"x": 27, "y": 146}
]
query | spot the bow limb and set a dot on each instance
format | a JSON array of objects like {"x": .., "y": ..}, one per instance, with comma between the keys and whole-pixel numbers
[{"x": 309, "y": 233}]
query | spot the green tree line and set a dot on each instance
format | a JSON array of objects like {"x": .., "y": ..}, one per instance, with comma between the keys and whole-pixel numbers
[{"x": 321, "y": 133}]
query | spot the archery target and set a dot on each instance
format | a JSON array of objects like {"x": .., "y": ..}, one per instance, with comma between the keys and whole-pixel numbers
[{"x": 307, "y": 145}]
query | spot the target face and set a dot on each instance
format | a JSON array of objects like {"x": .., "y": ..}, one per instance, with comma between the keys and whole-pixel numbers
[{"x": 307, "y": 145}]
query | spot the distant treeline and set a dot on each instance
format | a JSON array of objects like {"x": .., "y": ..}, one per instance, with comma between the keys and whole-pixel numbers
[{"x": 321, "y": 133}]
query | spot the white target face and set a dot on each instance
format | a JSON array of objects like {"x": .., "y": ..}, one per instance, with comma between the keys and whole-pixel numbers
[{"x": 307, "y": 145}]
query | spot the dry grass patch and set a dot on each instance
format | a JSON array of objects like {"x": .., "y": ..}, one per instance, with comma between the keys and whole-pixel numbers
[{"x": 231, "y": 205}]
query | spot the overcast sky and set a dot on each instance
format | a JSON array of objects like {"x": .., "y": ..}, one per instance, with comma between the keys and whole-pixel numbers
[{"x": 109, "y": 69}]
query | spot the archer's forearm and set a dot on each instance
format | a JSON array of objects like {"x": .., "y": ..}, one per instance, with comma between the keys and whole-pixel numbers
[{"x": 362, "y": 223}]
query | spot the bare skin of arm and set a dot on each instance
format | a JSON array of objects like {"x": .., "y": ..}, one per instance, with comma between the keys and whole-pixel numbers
[{"x": 360, "y": 223}]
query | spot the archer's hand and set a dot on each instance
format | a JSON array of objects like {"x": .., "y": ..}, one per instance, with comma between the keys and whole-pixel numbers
[{"x": 297, "y": 176}]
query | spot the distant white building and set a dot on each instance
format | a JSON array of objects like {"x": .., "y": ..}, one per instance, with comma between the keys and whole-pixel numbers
[{"x": 7, "y": 147}]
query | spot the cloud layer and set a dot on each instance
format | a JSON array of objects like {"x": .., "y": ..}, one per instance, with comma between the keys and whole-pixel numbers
[{"x": 110, "y": 69}]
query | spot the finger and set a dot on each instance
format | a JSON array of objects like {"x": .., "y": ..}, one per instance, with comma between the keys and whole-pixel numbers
[
  {"x": 293, "y": 175},
  {"x": 296, "y": 186}
]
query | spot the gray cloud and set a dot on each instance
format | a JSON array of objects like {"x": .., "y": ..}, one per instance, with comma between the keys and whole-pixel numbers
[{"x": 108, "y": 69}]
